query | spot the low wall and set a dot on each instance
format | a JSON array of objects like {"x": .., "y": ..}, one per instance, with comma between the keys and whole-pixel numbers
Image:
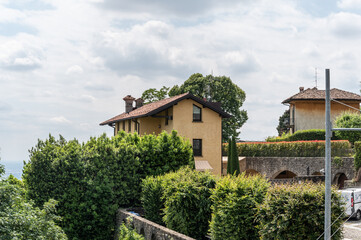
[{"x": 150, "y": 230}]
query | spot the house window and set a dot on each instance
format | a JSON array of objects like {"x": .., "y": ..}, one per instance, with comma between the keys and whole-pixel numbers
[
  {"x": 166, "y": 117},
  {"x": 123, "y": 125},
  {"x": 129, "y": 125},
  {"x": 135, "y": 126},
  {"x": 197, "y": 147},
  {"x": 197, "y": 114}
]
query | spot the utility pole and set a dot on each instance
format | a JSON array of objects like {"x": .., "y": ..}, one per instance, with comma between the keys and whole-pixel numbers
[{"x": 328, "y": 159}]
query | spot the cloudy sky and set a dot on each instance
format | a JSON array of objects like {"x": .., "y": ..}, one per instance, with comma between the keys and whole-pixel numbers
[{"x": 65, "y": 65}]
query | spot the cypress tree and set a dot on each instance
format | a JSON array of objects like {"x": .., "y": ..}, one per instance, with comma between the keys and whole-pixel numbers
[
  {"x": 229, "y": 168},
  {"x": 235, "y": 161}
]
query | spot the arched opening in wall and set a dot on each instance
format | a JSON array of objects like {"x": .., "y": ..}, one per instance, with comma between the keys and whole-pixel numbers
[
  {"x": 316, "y": 174},
  {"x": 153, "y": 237},
  {"x": 142, "y": 232},
  {"x": 251, "y": 172},
  {"x": 285, "y": 174},
  {"x": 340, "y": 180}
]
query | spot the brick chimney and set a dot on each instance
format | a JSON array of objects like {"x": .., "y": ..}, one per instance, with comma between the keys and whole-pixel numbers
[
  {"x": 302, "y": 89},
  {"x": 128, "y": 103},
  {"x": 139, "y": 102}
]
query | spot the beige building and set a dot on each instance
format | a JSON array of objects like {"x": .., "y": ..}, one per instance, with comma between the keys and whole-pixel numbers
[
  {"x": 307, "y": 107},
  {"x": 195, "y": 119}
]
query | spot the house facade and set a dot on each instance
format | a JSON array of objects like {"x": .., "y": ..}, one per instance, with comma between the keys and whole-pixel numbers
[
  {"x": 195, "y": 119},
  {"x": 307, "y": 107}
]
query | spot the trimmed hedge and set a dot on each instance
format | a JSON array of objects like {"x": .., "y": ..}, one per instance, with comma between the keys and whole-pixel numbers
[
  {"x": 181, "y": 199},
  {"x": 341, "y": 148},
  {"x": 92, "y": 180},
  {"x": 297, "y": 212},
  {"x": 234, "y": 207},
  {"x": 302, "y": 135},
  {"x": 357, "y": 158}
]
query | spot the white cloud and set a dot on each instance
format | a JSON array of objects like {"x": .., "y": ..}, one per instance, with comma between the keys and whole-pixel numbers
[
  {"x": 349, "y": 4},
  {"x": 75, "y": 69},
  {"x": 20, "y": 56},
  {"x": 346, "y": 25},
  {"x": 60, "y": 119}
]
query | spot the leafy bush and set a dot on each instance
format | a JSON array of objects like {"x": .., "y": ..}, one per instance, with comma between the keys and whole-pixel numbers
[
  {"x": 357, "y": 159},
  {"x": 152, "y": 198},
  {"x": 234, "y": 207},
  {"x": 340, "y": 148},
  {"x": 19, "y": 219},
  {"x": 297, "y": 212},
  {"x": 302, "y": 135},
  {"x": 348, "y": 120},
  {"x": 187, "y": 203},
  {"x": 128, "y": 233},
  {"x": 93, "y": 179}
]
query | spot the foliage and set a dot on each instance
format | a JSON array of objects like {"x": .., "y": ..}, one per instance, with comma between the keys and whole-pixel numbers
[
  {"x": 19, "y": 219},
  {"x": 233, "y": 162},
  {"x": 302, "y": 135},
  {"x": 93, "y": 179},
  {"x": 339, "y": 148},
  {"x": 183, "y": 200},
  {"x": 357, "y": 159},
  {"x": 219, "y": 89},
  {"x": 297, "y": 212},
  {"x": 234, "y": 207},
  {"x": 229, "y": 155},
  {"x": 153, "y": 95},
  {"x": 152, "y": 198},
  {"x": 349, "y": 120},
  {"x": 126, "y": 232},
  {"x": 283, "y": 127}
]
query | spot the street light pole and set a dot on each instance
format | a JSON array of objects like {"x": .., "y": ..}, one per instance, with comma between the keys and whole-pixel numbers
[{"x": 328, "y": 159}]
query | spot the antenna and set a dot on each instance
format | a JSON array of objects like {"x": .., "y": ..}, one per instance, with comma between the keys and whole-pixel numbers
[{"x": 316, "y": 76}]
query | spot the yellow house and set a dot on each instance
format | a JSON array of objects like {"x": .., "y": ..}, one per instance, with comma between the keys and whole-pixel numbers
[
  {"x": 307, "y": 107},
  {"x": 195, "y": 119}
]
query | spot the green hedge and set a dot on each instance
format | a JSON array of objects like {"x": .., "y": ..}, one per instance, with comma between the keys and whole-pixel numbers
[
  {"x": 297, "y": 212},
  {"x": 357, "y": 158},
  {"x": 92, "y": 180},
  {"x": 128, "y": 233},
  {"x": 340, "y": 148},
  {"x": 181, "y": 199},
  {"x": 234, "y": 207},
  {"x": 302, "y": 135}
]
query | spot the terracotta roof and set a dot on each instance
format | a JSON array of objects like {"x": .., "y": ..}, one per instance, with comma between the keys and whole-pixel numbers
[
  {"x": 315, "y": 94},
  {"x": 159, "y": 106}
]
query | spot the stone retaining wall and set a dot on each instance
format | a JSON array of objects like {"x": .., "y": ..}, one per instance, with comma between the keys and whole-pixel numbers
[{"x": 150, "y": 230}]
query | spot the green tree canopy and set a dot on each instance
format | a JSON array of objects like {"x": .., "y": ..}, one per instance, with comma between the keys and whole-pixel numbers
[
  {"x": 348, "y": 120},
  {"x": 217, "y": 89},
  {"x": 153, "y": 95},
  {"x": 283, "y": 125}
]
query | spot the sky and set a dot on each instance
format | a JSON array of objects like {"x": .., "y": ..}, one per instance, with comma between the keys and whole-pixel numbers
[{"x": 65, "y": 65}]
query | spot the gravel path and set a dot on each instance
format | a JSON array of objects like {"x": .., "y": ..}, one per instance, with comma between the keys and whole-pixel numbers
[{"x": 352, "y": 230}]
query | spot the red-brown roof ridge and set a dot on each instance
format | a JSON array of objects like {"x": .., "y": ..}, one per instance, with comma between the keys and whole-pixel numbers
[
  {"x": 156, "y": 107},
  {"x": 315, "y": 94}
]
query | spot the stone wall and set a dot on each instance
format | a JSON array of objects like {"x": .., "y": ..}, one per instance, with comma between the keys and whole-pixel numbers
[{"x": 150, "y": 230}]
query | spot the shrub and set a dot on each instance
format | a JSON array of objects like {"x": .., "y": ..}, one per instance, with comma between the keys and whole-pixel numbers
[
  {"x": 349, "y": 120},
  {"x": 291, "y": 149},
  {"x": 297, "y": 212},
  {"x": 357, "y": 159},
  {"x": 93, "y": 179},
  {"x": 152, "y": 198},
  {"x": 302, "y": 135},
  {"x": 128, "y": 233},
  {"x": 234, "y": 207},
  {"x": 19, "y": 219},
  {"x": 187, "y": 203}
]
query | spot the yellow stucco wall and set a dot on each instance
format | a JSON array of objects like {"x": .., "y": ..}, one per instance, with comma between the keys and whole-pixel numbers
[
  {"x": 209, "y": 130},
  {"x": 311, "y": 115}
]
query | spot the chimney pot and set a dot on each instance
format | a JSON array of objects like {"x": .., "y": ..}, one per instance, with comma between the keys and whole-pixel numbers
[
  {"x": 139, "y": 102},
  {"x": 128, "y": 103},
  {"x": 302, "y": 89}
]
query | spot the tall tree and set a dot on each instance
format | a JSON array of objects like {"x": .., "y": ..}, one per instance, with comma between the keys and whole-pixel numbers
[
  {"x": 153, "y": 95},
  {"x": 233, "y": 161},
  {"x": 283, "y": 123},
  {"x": 217, "y": 89}
]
